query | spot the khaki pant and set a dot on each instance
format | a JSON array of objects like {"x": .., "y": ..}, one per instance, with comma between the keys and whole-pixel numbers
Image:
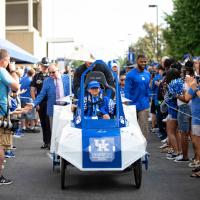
[
  {"x": 6, "y": 138},
  {"x": 143, "y": 116}
]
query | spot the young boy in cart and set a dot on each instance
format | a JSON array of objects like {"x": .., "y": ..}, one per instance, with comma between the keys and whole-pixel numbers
[{"x": 96, "y": 104}]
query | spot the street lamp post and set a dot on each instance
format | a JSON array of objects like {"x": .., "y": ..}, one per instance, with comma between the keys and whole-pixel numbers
[{"x": 156, "y": 6}]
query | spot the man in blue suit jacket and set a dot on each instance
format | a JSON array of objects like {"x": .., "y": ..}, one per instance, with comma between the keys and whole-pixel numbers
[{"x": 50, "y": 90}]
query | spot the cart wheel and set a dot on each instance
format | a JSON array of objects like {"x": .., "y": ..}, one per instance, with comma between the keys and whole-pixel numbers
[
  {"x": 62, "y": 172},
  {"x": 137, "y": 169}
]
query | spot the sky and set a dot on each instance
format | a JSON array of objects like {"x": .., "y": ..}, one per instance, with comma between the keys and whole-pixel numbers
[{"x": 104, "y": 26}]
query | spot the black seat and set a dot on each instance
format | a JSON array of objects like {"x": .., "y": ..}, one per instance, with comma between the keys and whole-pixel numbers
[{"x": 100, "y": 77}]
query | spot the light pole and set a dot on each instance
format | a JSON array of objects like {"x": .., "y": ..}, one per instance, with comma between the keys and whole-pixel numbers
[{"x": 156, "y": 6}]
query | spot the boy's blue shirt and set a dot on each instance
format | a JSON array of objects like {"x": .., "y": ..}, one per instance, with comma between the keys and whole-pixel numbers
[{"x": 25, "y": 84}]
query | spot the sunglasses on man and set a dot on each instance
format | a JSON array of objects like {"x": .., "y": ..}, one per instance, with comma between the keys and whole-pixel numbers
[{"x": 52, "y": 72}]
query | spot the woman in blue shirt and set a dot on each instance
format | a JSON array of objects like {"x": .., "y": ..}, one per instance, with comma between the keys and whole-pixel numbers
[
  {"x": 172, "y": 125},
  {"x": 193, "y": 94}
]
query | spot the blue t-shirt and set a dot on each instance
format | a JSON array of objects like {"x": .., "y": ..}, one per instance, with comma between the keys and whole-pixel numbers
[
  {"x": 137, "y": 88},
  {"x": 5, "y": 81},
  {"x": 195, "y": 108},
  {"x": 25, "y": 84}
]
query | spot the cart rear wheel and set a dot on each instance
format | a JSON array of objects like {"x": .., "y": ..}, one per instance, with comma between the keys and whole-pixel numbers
[
  {"x": 137, "y": 169},
  {"x": 62, "y": 173}
]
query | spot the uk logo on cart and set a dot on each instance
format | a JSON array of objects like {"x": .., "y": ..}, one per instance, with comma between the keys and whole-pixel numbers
[{"x": 102, "y": 149}]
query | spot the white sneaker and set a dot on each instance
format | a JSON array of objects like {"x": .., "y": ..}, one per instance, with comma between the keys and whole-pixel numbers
[
  {"x": 164, "y": 120},
  {"x": 181, "y": 160},
  {"x": 149, "y": 119},
  {"x": 179, "y": 157},
  {"x": 164, "y": 141},
  {"x": 163, "y": 146},
  {"x": 172, "y": 156}
]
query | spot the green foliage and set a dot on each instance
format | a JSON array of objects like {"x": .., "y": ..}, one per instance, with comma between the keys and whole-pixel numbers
[
  {"x": 182, "y": 34},
  {"x": 148, "y": 43},
  {"x": 122, "y": 62},
  {"x": 76, "y": 63}
]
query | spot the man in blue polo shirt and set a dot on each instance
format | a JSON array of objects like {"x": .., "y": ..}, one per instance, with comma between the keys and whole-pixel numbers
[
  {"x": 6, "y": 83},
  {"x": 137, "y": 90}
]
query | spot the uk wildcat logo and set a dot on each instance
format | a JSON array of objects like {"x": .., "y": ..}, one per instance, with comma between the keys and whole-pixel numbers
[{"x": 102, "y": 149}]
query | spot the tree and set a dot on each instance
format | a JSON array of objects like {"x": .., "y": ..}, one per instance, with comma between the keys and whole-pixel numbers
[
  {"x": 76, "y": 63},
  {"x": 148, "y": 43},
  {"x": 182, "y": 34}
]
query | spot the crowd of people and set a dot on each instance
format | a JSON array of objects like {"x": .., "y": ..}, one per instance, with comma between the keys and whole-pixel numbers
[
  {"x": 26, "y": 102},
  {"x": 175, "y": 117}
]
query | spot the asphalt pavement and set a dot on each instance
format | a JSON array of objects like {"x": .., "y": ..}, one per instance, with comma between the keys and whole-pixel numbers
[{"x": 34, "y": 179}]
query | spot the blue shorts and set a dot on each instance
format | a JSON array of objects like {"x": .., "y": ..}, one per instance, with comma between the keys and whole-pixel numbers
[{"x": 184, "y": 119}]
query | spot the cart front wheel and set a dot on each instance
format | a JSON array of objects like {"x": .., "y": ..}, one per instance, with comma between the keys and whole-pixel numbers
[
  {"x": 137, "y": 169},
  {"x": 62, "y": 173}
]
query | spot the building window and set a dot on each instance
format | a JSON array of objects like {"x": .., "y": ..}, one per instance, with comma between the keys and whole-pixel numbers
[{"x": 16, "y": 14}]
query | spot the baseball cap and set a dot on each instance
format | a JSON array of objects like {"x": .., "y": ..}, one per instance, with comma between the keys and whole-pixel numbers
[
  {"x": 93, "y": 84},
  {"x": 131, "y": 66},
  {"x": 114, "y": 64},
  {"x": 154, "y": 64}
]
